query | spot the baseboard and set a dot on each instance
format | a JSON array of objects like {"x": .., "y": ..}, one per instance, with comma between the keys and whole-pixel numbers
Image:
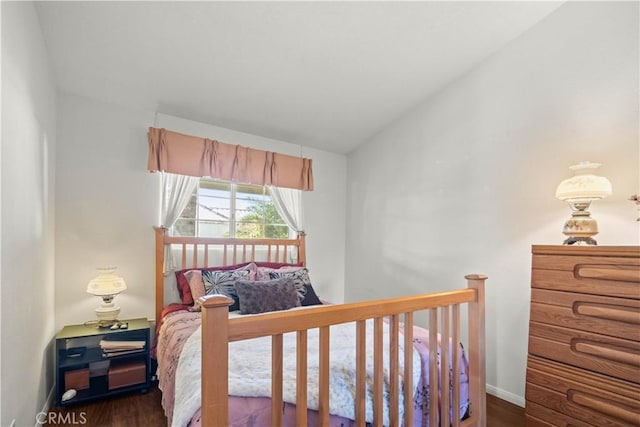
[{"x": 506, "y": 395}]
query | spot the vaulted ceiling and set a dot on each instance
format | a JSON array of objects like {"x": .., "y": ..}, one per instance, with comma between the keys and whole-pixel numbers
[{"x": 328, "y": 75}]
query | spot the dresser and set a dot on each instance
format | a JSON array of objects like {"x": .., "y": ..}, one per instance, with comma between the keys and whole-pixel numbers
[{"x": 583, "y": 365}]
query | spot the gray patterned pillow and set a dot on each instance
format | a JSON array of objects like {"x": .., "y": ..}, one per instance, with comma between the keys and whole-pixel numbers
[
  {"x": 223, "y": 282},
  {"x": 260, "y": 297},
  {"x": 300, "y": 279}
]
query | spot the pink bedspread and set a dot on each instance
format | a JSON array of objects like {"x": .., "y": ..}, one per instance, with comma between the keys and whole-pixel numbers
[{"x": 256, "y": 411}]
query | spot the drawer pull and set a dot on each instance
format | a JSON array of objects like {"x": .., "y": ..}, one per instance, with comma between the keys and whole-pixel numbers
[
  {"x": 603, "y": 406},
  {"x": 622, "y": 273},
  {"x": 609, "y": 312},
  {"x": 627, "y": 356}
]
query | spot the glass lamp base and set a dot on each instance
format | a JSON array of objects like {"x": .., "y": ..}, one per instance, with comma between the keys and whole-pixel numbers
[{"x": 580, "y": 228}]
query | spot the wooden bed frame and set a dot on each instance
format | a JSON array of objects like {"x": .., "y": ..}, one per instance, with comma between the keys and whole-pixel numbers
[{"x": 444, "y": 320}]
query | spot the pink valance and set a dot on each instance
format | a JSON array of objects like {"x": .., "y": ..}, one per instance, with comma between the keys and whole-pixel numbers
[{"x": 190, "y": 155}]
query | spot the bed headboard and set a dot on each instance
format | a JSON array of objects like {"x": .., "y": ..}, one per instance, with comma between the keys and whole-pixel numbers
[{"x": 202, "y": 252}]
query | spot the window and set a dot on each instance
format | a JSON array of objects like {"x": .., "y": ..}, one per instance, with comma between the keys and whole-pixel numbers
[{"x": 227, "y": 209}]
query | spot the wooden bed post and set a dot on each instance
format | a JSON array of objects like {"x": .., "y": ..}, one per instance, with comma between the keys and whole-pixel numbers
[
  {"x": 159, "y": 271},
  {"x": 302, "y": 255},
  {"x": 215, "y": 359},
  {"x": 477, "y": 363}
]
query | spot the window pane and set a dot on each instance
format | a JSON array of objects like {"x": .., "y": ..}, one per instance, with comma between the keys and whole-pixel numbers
[
  {"x": 250, "y": 211},
  {"x": 276, "y": 232},
  {"x": 213, "y": 229},
  {"x": 184, "y": 227},
  {"x": 215, "y": 205},
  {"x": 214, "y": 209},
  {"x": 190, "y": 210},
  {"x": 248, "y": 230},
  {"x": 214, "y": 192}
]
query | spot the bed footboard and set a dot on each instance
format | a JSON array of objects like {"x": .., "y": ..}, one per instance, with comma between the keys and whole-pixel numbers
[{"x": 444, "y": 321}]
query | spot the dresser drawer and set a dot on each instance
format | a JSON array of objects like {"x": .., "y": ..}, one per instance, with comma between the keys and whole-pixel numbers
[
  {"x": 539, "y": 416},
  {"x": 598, "y": 353},
  {"x": 612, "y": 276},
  {"x": 616, "y": 317},
  {"x": 584, "y": 396}
]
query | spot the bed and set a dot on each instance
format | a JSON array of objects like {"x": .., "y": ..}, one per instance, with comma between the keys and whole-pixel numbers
[{"x": 320, "y": 364}]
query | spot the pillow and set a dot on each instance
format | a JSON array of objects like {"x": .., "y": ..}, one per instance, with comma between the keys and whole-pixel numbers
[
  {"x": 263, "y": 269},
  {"x": 183, "y": 284},
  {"x": 223, "y": 282},
  {"x": 196, "y": 286},
  {"x": 260, "y": 297},
  {"x": 300, "y": 277},
  {"x": 310, "y": 297}
]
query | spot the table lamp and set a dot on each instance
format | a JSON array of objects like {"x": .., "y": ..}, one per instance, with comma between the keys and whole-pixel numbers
[
  {"x": 579, "y": 191},
  {"x": 106, "y": 285}
]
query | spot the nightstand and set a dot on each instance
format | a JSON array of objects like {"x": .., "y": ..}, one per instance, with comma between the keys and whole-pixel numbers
[{"x": 100, "y": 362}]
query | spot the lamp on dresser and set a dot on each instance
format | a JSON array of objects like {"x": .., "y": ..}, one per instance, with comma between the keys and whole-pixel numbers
[
  {"x": 106, "y": 285},
  {"x": 579, "y": 191}
]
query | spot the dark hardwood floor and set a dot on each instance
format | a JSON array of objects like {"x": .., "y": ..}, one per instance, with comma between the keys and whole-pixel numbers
[
  {"x": 127, "y": 410},
  {"x": 501, "y": 413},
  {"x": 142, "y": 410}
]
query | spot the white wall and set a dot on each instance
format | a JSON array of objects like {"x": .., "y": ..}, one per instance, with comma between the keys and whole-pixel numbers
[
  {"x": 108, "y": 203},
  {"x": 27, "y": 227},
  {"x": 465, "y": 182},
  {"x": 106, "y": 207}
]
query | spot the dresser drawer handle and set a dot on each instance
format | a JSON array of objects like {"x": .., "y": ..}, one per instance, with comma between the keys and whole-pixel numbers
[
  {"x": 603, "y": 406},
  {"x": 628, "y": 356},
  {"x": 609, "y": 312},
  {"x": 622, "y": 273}
]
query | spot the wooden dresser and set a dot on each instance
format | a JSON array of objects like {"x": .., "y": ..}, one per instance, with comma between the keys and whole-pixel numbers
[{"x": 583, "y": 366}]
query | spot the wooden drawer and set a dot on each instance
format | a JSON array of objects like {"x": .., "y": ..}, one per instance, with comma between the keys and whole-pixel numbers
[
  {"x": 584, "y": 396},
  {"x": 616, "y": 317},
  {"x": 612, "y": 276},
  {"x": 77, "y": 379},
  {"x": 599, "y": 353},
  {"x": 127, "y": 374},
  {"x": 539, "y": 416}
]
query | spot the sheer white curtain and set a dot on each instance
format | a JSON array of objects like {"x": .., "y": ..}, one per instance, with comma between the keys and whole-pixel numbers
[
  {"x": 288, "y": 203},
  {"x": 176, "y": 192}
]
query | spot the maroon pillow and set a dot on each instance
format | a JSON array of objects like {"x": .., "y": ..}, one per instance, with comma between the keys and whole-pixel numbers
[{"x": 183, "y": 284}]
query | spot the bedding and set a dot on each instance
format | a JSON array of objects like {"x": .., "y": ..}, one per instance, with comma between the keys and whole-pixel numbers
[
  {"x": 179, "y": 376},
  {"x": 189, "y": 279}
]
